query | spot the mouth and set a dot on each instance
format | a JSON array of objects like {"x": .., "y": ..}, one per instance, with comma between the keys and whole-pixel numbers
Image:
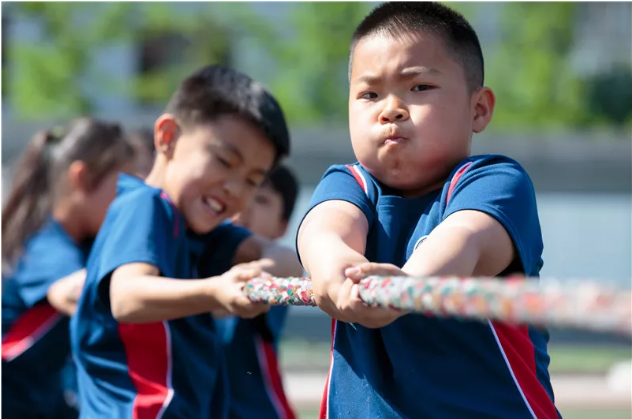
[
  {"x": 213, "y": 205},
  {"x": 394, "y": 140}
]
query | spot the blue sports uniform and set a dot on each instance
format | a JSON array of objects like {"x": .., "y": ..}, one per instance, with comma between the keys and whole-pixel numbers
[
  {"x": 168, "y": 369},
  {"x": 251, "y": 347},
  {"x": 35, "y": 339},
  {"x": 424, "y": 367}
]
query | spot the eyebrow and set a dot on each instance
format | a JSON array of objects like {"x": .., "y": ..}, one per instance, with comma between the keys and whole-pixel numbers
[
  {"x": 235, "y": 151},
  {"x": 407, "y": 73}
]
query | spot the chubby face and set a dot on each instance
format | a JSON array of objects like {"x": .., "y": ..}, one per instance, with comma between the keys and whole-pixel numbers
[
  {"x": 214, "y": 170},
  {"x": 411, "y": 113},
  {"x": 264, "y": 214}
]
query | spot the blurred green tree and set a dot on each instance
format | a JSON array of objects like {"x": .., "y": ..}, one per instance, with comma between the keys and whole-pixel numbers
[
  {"x": 51, "y": 76},
  {"x": 530, "y": 70},
  {"x": 310, "y": 56}
]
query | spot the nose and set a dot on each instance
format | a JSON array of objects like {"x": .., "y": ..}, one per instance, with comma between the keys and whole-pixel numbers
[
  {"x": 234, "y": 188},
  {"x": 394, "y": 110}
]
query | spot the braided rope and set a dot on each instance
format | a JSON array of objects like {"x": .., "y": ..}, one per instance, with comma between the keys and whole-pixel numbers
[{"x": 577, "y": 304}]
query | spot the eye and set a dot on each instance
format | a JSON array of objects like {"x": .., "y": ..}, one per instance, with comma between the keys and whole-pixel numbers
[
  {"x": 254, "y": 182},
  {"x": 368, "y": 95},
  {"x": 261, "y": 200},
  {"x": 421, "y": 87},
  {"x": 223, "y": 162}
]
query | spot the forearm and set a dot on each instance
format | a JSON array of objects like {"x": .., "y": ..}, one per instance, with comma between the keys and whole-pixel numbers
[
  {"x": 326, "y": 257},
  {"x": 144, "y": 299},
  {"x": 449, "y": 251},
  {"x": 64, "y": 294}
]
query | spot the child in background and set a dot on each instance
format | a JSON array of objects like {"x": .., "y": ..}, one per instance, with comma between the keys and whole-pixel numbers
[
  {"x": 251, "y": 345},
  {"x": 143, "y": 142},
  {"x": 58, "y": 199},
  {"x": 417, "y": 203},
  {"x": 142, "y": 337}
]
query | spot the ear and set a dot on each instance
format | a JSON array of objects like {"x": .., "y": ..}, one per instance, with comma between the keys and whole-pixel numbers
[
  {"x": 483, "y": 101},
  {"x": 166, "y": 133},
  {"x": 78, "y": 176}
]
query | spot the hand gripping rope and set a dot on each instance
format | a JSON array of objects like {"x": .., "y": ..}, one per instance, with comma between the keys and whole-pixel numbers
[{"x": 571, "y": 303}]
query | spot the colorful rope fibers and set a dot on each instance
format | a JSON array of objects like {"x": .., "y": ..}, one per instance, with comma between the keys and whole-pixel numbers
[{"x": 572, "y": 303}]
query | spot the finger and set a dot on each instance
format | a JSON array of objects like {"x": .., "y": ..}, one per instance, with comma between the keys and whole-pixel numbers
[
  {"x": 245, "y": 275},
  {"x": 354, "y": 273},
  {"x": 260, "y": 263}
]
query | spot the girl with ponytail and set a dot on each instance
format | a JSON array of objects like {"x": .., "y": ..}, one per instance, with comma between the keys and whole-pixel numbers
[{"x": 59, "y": 196}]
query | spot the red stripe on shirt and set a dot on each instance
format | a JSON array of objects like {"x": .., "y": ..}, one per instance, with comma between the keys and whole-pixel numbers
[
  {"x": 147, "y": 348},
  {"x": 358, "y": 177},
  {"x": 28, "y": 329},
  {"x": 176, "y": 224},
  {"x": 274, "y": 385},
  {"x": 455, "y": 180},
  {"x": 324, "y": 404},
  {"x": 520, "y": 356}
]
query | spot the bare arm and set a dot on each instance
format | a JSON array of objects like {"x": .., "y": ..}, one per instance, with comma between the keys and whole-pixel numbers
[
  {"x": 467, "y": 243},
  {"x": 139, "y": 295},
  {"x": 332, "y": 238},
  {"x": 284, "y": 260},
  {"x": 64, "y": 294}
]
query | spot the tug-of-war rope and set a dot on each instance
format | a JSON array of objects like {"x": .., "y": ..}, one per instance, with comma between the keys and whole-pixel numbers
[{"x": 577, "y": 304}]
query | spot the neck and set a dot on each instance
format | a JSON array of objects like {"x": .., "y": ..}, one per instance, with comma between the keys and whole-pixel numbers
[
  {"x": 70, "y": 220},
  {"x": 156, "y": 177}
]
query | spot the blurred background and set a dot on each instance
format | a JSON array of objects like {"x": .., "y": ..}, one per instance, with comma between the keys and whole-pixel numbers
[{"x": 562, "y": 74}]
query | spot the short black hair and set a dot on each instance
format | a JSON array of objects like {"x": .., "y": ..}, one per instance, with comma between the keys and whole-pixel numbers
[
  {"x": 216, "y": 91},
  {"x": 399, "y": 18},
  {"x": 283, "y": 181}
]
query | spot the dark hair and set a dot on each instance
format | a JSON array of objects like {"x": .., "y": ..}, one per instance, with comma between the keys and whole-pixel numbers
[
  {"x": 283, "y": 181},
  {"x": 399, "y": 18},
  {"x": 143, "y": 137},
  {"x": 36, "y": 182},
  {"x": 215, "y": 91}
]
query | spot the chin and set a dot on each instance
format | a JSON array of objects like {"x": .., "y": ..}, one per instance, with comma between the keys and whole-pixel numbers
[{"x": 204, "y": 227}]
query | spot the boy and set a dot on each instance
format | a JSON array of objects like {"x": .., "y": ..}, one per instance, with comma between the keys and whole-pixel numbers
[
  {"x": 142, "y": 338},
  {"x": 418, "y": 204},
  {"x": 256, "y": 388}
]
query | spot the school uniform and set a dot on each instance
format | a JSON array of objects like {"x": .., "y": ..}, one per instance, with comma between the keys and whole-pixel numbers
[{"x": 425, "y": 367}]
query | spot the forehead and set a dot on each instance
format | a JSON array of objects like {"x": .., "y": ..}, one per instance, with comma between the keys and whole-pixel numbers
[
  {"x": 234, "y": 134},
  {"x": 384, "y": 54}
]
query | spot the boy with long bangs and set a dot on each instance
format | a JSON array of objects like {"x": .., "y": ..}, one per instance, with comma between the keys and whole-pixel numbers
[
  {"x": 417, "y": 203},
  {"x": 143, "y": 339}
]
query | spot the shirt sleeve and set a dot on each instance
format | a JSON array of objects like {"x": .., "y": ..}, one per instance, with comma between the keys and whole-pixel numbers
[
  {"x": 343, "y": 183},
  {"x": 139, "y": 229},
  {"x": 501, "y": 188},
  {"x": 46, "y": 264},
  {"x": 220, "y": 247}
]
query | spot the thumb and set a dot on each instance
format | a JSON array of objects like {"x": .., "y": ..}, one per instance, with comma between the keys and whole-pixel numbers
[
  {"x": 355, "y": 273},
  {"x": 246, "y": 274}
]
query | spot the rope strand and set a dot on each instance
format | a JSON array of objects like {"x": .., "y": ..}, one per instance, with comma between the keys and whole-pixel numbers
[{"x": 572, "y": 303}]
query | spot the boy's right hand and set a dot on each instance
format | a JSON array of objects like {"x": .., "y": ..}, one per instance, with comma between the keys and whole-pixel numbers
[{"x": 227, "y": 290}]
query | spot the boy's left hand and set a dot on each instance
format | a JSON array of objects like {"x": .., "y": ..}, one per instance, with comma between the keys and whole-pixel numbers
[{"x": 373, "y": 317}]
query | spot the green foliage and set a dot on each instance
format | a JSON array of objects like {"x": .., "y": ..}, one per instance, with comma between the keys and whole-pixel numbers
[
  {"x": 530, "y": 71},
  {"x": 528, "y": 66},
  {"x": 51, "y": 73},
  {"x": 311, "y": 57}
]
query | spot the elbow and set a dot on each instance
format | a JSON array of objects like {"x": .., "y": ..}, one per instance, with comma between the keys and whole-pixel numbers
[
  {"x": 124, "y": 308},
  {"x": 126, "y": 313}
]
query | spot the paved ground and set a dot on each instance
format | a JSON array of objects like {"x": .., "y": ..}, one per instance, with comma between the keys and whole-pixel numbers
[{"x": 305, "y": 390}]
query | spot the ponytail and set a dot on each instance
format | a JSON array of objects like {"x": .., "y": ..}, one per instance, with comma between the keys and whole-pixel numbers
[{"x": 29, "y": 201}]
